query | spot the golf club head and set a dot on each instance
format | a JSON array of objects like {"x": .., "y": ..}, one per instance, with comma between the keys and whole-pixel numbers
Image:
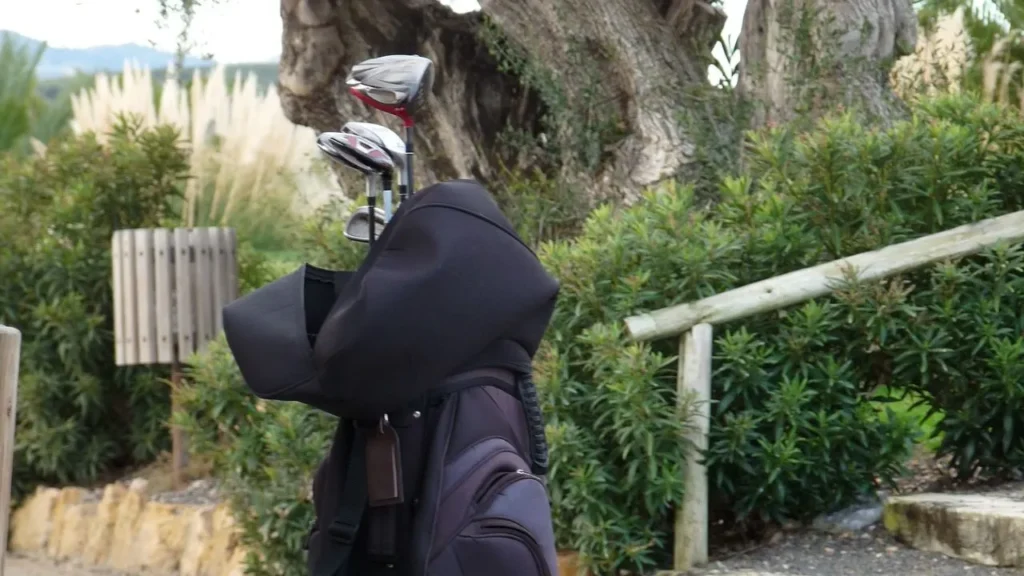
[
  {"x": 382, "y": 136},
  {"x": 335, "y": 153},
  {"x": 396, "y": 84},
  {"x": 357, "y": 228},
  {"x": 355, "y": 151}
]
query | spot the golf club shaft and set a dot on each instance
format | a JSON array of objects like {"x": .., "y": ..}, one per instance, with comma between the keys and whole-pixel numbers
[
  {"x": 386, "y": 179},
  {"x": 410, "y": 184},
  {"x": 371, "y": 201}
]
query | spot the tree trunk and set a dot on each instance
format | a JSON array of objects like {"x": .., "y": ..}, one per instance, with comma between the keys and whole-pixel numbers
[
  {"x": 810, "y": 55},
  {"x": 641, "y": 54}
]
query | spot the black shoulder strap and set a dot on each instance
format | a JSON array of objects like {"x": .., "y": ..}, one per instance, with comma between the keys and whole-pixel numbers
[{"x": 341, "y": 534}]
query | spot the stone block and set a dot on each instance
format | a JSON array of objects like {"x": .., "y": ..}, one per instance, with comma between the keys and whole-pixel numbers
[
  {"x": 985, "y": 529},
  {"x": 32, "y": 523}
]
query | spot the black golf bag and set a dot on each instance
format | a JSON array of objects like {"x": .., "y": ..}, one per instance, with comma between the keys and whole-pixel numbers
[{"x": 424, "y": 353}]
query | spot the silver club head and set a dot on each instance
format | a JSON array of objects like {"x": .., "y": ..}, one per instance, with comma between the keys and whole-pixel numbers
[
  {"x": 339, "y": 155},
  {"x": 357, "y": 228},
  {"x": 396, "y": 84},
  {"x": 356, "y": 151},
  {"x": 383, "y": 137}
]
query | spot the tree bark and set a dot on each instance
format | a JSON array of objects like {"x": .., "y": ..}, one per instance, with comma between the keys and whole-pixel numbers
[
  {"x": 650, "y": 51},
  {"x": 813, "y": 54}
]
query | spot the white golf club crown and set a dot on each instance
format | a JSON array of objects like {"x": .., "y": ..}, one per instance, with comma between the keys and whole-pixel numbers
[{"x": 397, "y": 85}]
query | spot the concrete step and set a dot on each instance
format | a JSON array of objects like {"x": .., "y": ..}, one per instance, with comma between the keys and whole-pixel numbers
[{"x": 985, "y": 529}]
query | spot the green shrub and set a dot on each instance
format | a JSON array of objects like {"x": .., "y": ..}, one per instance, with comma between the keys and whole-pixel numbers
[
  {"x": 958, "y": 346},
  {"x": 794, "y": 430},
  {"x": 322, "y": 241},
  {"x": 78, "y": 416},
  {"x": 265, "y": 453}
]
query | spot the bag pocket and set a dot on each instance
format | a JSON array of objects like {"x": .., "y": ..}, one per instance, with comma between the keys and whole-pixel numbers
[{"x": 495, "y": 518}]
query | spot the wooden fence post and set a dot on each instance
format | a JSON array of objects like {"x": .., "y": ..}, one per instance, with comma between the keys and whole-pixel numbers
[
  {"x": 10, "y": 352},
  {"x": 694, "y": 384}
]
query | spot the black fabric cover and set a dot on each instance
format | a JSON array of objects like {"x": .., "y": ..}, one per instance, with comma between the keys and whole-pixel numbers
[
  {"x": 271, "y": 332},
  {"x": 448, "y": 286}
]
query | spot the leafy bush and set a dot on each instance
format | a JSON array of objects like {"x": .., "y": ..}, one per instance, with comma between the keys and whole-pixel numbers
[
  {"x": 794, "y": 432},
  {"x": 264, "y": 453},
  {"x": 957, "y": 344},
  {"x": 77, "y": 415}
]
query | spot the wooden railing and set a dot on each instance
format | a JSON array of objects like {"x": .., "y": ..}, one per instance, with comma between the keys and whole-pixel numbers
[
  {"x": 692, "y": 323},
  {"x": 10, "y": 353}
]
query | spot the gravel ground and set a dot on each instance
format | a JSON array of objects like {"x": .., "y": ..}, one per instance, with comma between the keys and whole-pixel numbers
[
  {"x": 198, "y": 492},
  {"x": 871, "y": 552}
]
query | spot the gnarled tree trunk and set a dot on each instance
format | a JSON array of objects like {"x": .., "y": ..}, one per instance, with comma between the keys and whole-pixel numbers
[
  {"x": 651, "y": 50},
  {"x": 645, "y": 53},
  {"x": 814, "y": 54}
]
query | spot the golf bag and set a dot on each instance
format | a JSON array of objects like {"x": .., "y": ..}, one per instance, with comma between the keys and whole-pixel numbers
[{"x": 424, "y": 354}]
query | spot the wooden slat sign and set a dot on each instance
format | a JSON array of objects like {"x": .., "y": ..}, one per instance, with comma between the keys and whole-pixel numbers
[{"x": 170, "y": 286}]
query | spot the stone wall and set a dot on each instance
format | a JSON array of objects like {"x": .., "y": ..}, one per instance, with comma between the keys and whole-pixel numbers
[{"x": 122, "y": 529}]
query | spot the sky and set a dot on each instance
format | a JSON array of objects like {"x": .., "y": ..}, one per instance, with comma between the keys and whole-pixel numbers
[{"x": 232, "y": 30}]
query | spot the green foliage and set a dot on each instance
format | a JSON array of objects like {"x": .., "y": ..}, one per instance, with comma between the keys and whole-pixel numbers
[
  {"x": 717, "y": 118},
  {"x": 24, "y": 110},
  {"x": 322, "y": 241},
  {"x": 264, "y": 453},
  {"x": 541, "y": 208},
  {"x": 78, "y": 416},
  {"x": 796, "y": 430},
  {"x": 18, "y": 101},
  {"x": 913, "y": 412},
  {"x": 960, "y": 348},
  {"x": 579, "y": 123}
]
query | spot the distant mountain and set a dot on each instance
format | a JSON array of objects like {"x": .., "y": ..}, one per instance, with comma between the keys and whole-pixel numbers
[
  {"x": 56, "y": 88},
  {"x": 59, "y": 62}
]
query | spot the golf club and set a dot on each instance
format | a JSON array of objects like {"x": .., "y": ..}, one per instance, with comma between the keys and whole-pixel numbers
[
  {"x": 388, "y": 140},
  {"x": 360, "y": 154},
  {"x": 358, "y": 226},
  {"x": 397, "y": 85}
]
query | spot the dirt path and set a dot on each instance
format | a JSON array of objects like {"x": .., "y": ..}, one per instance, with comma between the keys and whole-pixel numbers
[
  {"x": 869, "y": 553},
  {"x": 17, "y": 565}
]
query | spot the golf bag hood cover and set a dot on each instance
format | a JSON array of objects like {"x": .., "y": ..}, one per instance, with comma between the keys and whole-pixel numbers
[
  {"x": 448, "y": 286},
  {"x": 271, "y": 332}
]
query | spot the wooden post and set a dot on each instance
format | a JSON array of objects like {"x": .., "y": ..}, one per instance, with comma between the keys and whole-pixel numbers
[
  {"x": 179, "y": 442},
  {"x": 694, "y": 384},
  {"x": 10, "y": 352}
]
